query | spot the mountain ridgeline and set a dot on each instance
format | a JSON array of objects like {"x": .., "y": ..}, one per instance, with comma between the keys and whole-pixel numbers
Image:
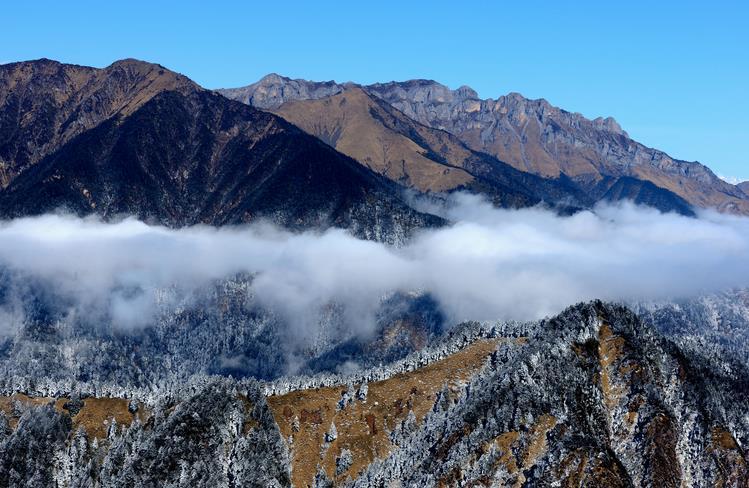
[
  {"x": 214, "y": 386},
  {"x": 593, "y": 397},
  {"x": 136, "y": 139},
  {"x": 596, "y": 157}
]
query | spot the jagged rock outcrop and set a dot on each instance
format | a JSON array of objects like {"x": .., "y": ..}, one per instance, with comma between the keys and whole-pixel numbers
[
  {"x": 535, "y": 136},
  {"x": 272, "y": 91}
]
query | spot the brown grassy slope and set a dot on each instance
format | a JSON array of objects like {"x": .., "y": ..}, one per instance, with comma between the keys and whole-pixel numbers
[
  {"x": 96, "y": 415},
  {"x": 382, "y": 139},
  {"x": 362, "y": 426}
]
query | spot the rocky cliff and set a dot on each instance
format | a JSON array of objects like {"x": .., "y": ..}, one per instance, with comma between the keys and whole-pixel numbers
[
  {"x": 272, "y": 91},
  {"x": 416, "y": 156},
  {"x": 532, "y": 136},
  {"x": 535, "y": 136}
]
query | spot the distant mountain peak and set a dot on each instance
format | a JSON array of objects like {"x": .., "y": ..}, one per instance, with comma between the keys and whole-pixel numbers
[
  {"x": 466, "y": 91},
  {"x": 140, "y": 70},
  {"x": 134, "y": 62},
  {"x": 38, "y": 62},
  {"x": 273, "y": 78},
  {"x": 530, "y": 134},
  {"x": 423, "y": 91},
  {"x": 273, "y": 90}
]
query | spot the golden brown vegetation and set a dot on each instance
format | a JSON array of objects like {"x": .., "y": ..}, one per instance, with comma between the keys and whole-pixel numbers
[
  {"x": 362, "y": 426},
  {"x": 96, "y": 415},
  {"x": 356, "y": 125}
]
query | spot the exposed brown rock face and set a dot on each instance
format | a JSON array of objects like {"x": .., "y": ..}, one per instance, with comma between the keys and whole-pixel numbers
[
  {"x": 530, "y": 135},
  {"x": 535, "y": 136},
  {"x": 416, "y": 156}
]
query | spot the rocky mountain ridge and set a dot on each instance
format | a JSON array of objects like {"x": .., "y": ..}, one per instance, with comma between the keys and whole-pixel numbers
[
  {"x": 273, "y": 90},
  {"x": 417, "y": 156},
  {"x": 535, "y": 136},
  {"x": 531, "y": 135}
]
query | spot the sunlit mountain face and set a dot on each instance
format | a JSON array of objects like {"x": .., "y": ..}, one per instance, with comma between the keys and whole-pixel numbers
[{"x": 302, "y": 284}]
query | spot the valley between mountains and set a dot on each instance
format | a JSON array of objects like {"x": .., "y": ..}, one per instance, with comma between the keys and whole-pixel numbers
[{"x": 318, "y": 284}]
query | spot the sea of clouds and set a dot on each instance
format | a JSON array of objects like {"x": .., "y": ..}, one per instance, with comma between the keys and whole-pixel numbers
[{"x": 488, "y": 264}]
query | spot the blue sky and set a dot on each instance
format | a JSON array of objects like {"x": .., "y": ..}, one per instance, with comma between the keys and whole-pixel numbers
[{"x": 674, "y": 74}]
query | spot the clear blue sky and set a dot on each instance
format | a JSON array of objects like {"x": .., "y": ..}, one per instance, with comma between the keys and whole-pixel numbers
[{"x": 674, "y": 74}]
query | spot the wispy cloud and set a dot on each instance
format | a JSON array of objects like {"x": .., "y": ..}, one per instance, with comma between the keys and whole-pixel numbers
[{"x": 491, "y": 264}]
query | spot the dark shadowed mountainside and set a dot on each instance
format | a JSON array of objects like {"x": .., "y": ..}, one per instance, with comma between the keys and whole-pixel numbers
[
  {"x": 744, "y": 186},
  {"x": 136, "y": 139},
  {"x": 641, "y": 192},
  {"x": 44, "y": 104}
]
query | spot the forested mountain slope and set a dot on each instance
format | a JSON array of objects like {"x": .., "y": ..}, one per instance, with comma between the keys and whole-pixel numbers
[{"x": 592, "y": 397}]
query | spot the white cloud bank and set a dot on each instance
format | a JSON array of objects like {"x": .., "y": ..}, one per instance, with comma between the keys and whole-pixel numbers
[{"x": 491, "y": 264}]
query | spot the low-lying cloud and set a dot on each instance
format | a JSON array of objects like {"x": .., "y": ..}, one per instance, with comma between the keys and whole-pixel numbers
[{"x": 490, "y": 264}]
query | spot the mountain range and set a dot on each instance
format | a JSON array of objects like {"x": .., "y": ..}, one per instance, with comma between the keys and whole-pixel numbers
[
  {"x": 530, "y": 135},
  {"x": 137, "y": 139},
  {"x": 218, "y": 388}
]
